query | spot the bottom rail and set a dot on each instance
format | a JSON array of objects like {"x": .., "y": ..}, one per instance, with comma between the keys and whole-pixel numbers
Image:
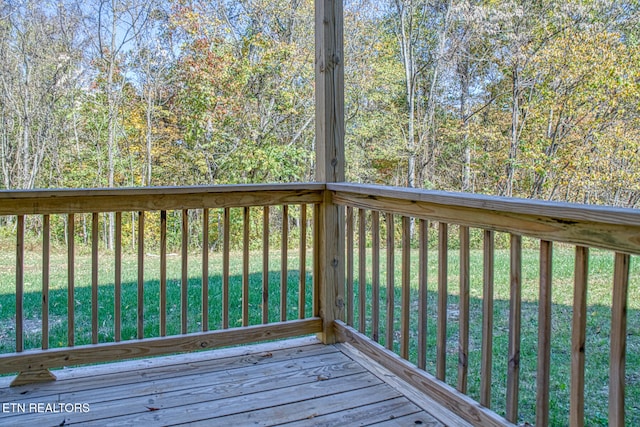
[
  {"x": 439, "y": 391},
  {"x": 32, "y": 361}
]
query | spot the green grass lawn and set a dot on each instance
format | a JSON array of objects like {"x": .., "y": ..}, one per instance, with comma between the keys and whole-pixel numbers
[
  {"x": 82, "y": 331},
  {"x": 598, "y": 324}
]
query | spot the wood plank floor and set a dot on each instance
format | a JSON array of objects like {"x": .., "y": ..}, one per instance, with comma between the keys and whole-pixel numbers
[{"x": 295, "y": 382}]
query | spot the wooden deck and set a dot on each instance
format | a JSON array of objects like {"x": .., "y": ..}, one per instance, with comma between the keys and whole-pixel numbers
[{"x": 295, "y": 382}]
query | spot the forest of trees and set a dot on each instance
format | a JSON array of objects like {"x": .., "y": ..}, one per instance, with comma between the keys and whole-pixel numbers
[{"x": 533, "y": 99}]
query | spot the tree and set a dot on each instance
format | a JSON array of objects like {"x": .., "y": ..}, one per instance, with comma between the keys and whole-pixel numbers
[
  {"x": 245, "y": 91},
  {"x": 37, "y": 53},
  {"x": 117, "y": 23}
]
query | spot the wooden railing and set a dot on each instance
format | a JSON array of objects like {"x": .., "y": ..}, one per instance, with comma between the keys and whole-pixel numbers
[
  {"x": 150, "y": 208},
  {"x": 386, "y": 298},
  {"x": 397, "y": 317}
]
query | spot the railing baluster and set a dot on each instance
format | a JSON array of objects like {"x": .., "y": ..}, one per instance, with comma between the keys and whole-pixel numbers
[
  {"x": 302, "y": 289},
  {"x": 46, "y": 263},
  {"x": 375, "y": 275},
  {"x": 578, "y": 337},
  {"x": 245, "y": 266},
  {"x": 117, "y": 307},
  {"x": 284, "y": 282},
  {"x": 20, "y": 284},
  {"x": 184, "y": 293},
  {"x": 515, "y": 310},
  {"x": 225, "y": 268},
  {"x": 544, "y": 334},
  {"x": 94, "y": 278},
  {"x": 406, "y": 286},
  {"x": 618, "y": 339},
  {"x": 487, "y": 320},
  {"x": 205, "y": 270},
  {"x": 463, "y": 316},
  {"x": 140, "y": 274},
  {"x": 390, "y": 279},
  {"x": 316, "y": 258},
  {"x": 441, "y": 327},
  {"x": 163, "y": 273},
  {"x": 350, "y": 261},
  {"x": 423, "y": 267},
  {"x": 362, "y": 270},
  {"x": 70, "y": 280},
  {"x": 265, "y": 265}
]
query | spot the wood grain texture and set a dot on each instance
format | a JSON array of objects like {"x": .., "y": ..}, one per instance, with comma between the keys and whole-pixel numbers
[
  {"x": 362, "y": 270},
  {"x": 46, "y": 268},
  {"x": 375, "y": 275},
  {"x": 423, "y": 266},
  {"x": 157, "y": 198},
  {"x": 265, "y": 265},
  {"x": 184, "y": 282},
  {"x": 487, "y": 320},
  {"x": 515, "y": 314},
  {"x": 329, "y": 91},
  {"x": 33, "y": 377},
  {"x": 71, "y": 381},
  {"x": 117, "y": 303},
  {"x": 350, "y": 303},
  {"x": 578, "y": 337},
  {"x": 246, "y": 221},
  {"x": 284, "y": 254},
  {"x": 266, "y": 384},
  {"x": 70, "y": 280},
  {"x": 205, "y": 270},
  {"x": 35, "y": 360},
  {"x": 94, "y": 278},
  {"x": 140, "y": 304},
  {"x": 618, "y": 351},
  {"x": 544, "y": 334},
  {"x": 225, "y": 267},
  {"x": 603, "y": 227},
  {"x": 291, "y": 394},
  {"x": 317, "y": 237},
  {"x": 330, "y": 285},
  {"x": 330, "y": 159},
  {"x": 302, "y": 257},
  {"x": 442, "y": 393},
  {"x": 441, "y": 322},
  {"x": 20, "y": 284},
  {"x": 391, "y": 244},
  {"x": 163, "y": 273},
  {"x": 405, "y": 304},
  {"x": 463, "y": 317},
  {"x": 417, "y": 396}
]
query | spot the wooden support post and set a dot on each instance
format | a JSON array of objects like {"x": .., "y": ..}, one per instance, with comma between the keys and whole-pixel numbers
[{"x": 329, "y": 84}]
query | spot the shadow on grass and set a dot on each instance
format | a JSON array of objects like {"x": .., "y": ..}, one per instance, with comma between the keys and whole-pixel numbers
[
  {"x": 58, "y": 313},
  {"x": 596, "y": 349},
  {"x": 597, "y": 345}
]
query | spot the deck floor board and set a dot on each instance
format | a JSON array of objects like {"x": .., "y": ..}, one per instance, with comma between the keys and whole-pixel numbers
[{"x": 294, "y": 382}]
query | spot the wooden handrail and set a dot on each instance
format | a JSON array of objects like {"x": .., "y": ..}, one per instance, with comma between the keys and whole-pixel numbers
[
  {"x": 156, "y": 198},
  {"x": 602, "y": 227},
  {"x": 378, "y": 207},
  {"x": 585, "y": 227},
  {"x": 71, "y": 204}
]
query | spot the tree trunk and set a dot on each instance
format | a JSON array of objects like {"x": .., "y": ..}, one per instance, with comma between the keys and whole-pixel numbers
[
  {"x": 513, "y": 146},
  {"x": 409, "y": 67},
  {"x": 149, "y": 138},
  {"x": 463, "y": 71}
]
